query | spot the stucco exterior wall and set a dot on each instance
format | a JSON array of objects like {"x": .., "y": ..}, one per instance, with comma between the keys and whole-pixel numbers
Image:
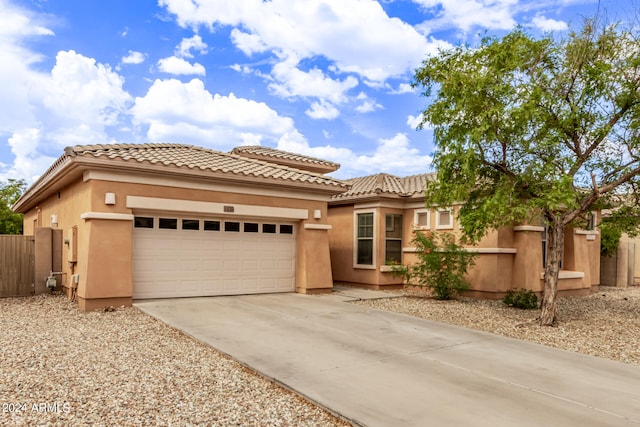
[
  {"x": 104, "y": 246},
  {"x": 66, "y": 204},
  {"x": 508, "y": 258}
]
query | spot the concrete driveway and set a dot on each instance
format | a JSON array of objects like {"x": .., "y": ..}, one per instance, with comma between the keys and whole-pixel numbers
[{"x": 377, "y": 368}]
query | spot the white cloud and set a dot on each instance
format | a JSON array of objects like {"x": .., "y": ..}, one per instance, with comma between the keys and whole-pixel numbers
[
  {"x": 187, "y": 112},
  {"x": 367, "y": 106},
  {"x": 547, "y": 24},
  {"x": 313, "y": 83},
  {"x": 322, "y": 110},
  {"x": 403, "y": 88},
  {"x": 183, "y": 50},
  {"x": 247, "y": 42},
  {"x": 28, "y": 163},
  {"x": 42, "y": 112},
  {"x": 466, "y": 14},
  {"x": 414, "y": 121},
  {"x": 393, "y": 155},
  {"x": 82, "y": 91},
  {"x": 178, "y": 66},
  {"x": 244, "y": 69},
  {"x": 16, "y": 22},
  {"x": 134, "y": 58},
  {"x": 339, "y": 30}
]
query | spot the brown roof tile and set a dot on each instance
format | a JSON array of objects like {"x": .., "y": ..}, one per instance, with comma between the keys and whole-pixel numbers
[
  {"x": 383, "y": 184},
  {"x": 185, "y": 159},
  {"x": 286, "y": 158},
  {"x": 191, "y": 157}
]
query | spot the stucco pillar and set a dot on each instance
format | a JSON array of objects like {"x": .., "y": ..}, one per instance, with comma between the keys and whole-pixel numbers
[
  {"x": 622, "y": 268},
  {"x": 43, "y": 258},
  {"x": 527, "y": 263},
  {"x": 313, "y": 264},
  {"x": 107, "y": 278}
]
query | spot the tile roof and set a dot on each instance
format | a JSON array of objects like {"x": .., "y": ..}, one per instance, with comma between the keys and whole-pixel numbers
[
  {"x": 383, "y": 184},
  {"x": 286, "y": 158},
  {"x": 192, "y": 157},
  {"x": 181, "y": 159}
]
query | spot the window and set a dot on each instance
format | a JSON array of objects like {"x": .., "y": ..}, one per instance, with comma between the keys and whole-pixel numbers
[
  {"x": 393, "y": 238},
  {"x": 364, "y": 238},
  {"x": 269, "y": 228},
  {"x": 286, "y": 229},
  {"x": 190, "y": 224},
  {"x": 250, "y": 227},
  {"x": 168, "y": 223},
  {"x": 421, "y": 219},
  {"x": 143, "y": 222},
  {"x": 231, "y": 226},
  {"x": 211, "y": 225},
  {"x": 444, "y": 219}
]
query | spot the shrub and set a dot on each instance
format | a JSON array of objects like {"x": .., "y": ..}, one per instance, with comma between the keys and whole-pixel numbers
[
  {"x": 524, "y": 299},
  {"x": 441, "y": 266}
]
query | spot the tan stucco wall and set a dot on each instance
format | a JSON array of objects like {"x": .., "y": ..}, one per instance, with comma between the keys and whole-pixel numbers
[
  {"x": 507, "y": 258},
  {"x": 67, "y": 204},
  {"x": 632, "y": 244},
  {"x": 104, "y": 246}
]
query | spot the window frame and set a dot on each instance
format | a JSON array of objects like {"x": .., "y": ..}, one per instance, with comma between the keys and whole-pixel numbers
[
  {"x": 439, "y": 225},
  {"x": 357, "y": 239},
  {"x": 395, "y": 239},
  {"x": 416, "y": 223}
]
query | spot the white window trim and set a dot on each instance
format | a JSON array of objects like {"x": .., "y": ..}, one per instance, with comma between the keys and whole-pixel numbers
[
  {"x": 355, "y": 238},
  {"x": 397, "y": 239},
  {"x": 446, "y": 226},
  {"x": 417, "y": 226}
]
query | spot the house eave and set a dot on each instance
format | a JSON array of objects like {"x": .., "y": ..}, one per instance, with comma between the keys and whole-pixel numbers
[
  {"x": 372, "y": 198},
  {"x": 71, "y": 168}
]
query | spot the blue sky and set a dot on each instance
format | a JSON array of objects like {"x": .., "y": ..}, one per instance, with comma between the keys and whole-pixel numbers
[{"x": 326, "y": 78}]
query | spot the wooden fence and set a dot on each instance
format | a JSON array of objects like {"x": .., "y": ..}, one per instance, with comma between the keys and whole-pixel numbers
[{"x": 17, "y": 265}]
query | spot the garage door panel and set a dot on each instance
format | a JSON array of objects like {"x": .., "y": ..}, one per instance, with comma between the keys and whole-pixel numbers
[{"x": 175, "y": 262}]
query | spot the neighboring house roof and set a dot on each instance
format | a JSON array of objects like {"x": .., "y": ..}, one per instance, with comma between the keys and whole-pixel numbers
[
  {"x": 384, "y": 185},
  {"x": 286, "y": 159},
  {"x": 185, "y": 161}
]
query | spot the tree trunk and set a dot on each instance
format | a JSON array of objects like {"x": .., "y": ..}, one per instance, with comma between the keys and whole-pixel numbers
[{"x": 555, "y": 249}]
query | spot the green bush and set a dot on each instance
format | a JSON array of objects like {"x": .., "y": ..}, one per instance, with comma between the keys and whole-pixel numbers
[
  {"x": 441, "y": 266},
  {"x": 524, "y": 299}
]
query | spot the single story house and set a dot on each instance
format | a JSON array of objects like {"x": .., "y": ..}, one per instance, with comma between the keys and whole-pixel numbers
[
  {"x": 373, "y": 225},
  {"x": 135, "y": 221}
]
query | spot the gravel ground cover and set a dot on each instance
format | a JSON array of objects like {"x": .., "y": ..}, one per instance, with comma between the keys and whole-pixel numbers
[
  {"x": 604, "y": 324},
  {"x": 63, "y": 367}
]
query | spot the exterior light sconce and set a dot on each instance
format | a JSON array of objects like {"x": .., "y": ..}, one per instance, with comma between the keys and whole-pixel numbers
[
  {"x": 54, "y": 221},
  {"x": 110, "y": 198},
  {"x": 317, "y": 214}
]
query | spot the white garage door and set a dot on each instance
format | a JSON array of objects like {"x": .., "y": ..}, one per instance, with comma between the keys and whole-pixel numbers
[{"x": 180, "y": 256}]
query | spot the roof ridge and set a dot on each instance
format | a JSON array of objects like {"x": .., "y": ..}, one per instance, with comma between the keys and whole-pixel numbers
[
  {"x": 95, "y": 147},
  {"x": 273, "y": 152},
  {"x": 94, "y": 150}
]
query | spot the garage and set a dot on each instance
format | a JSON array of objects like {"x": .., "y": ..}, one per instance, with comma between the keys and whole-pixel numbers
[{"x": 187, "y": 256}]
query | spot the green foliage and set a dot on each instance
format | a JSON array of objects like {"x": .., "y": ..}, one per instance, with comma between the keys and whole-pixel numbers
[
  {"x": 441, "y": 267},
  {"x": 528, "y": 126},
  {"x": 10, "y": 222},
  {"x": 623, "y": 219},
  {"x": 524, "y": 299}
]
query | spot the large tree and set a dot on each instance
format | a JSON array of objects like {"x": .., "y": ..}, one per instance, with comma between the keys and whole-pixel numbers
[
  {"x": 530, "y": 127},
  {"x": 10, "y": 222}
]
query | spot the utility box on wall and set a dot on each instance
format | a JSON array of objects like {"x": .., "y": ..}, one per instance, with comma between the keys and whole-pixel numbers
[{"x": 72, "y": 239}]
